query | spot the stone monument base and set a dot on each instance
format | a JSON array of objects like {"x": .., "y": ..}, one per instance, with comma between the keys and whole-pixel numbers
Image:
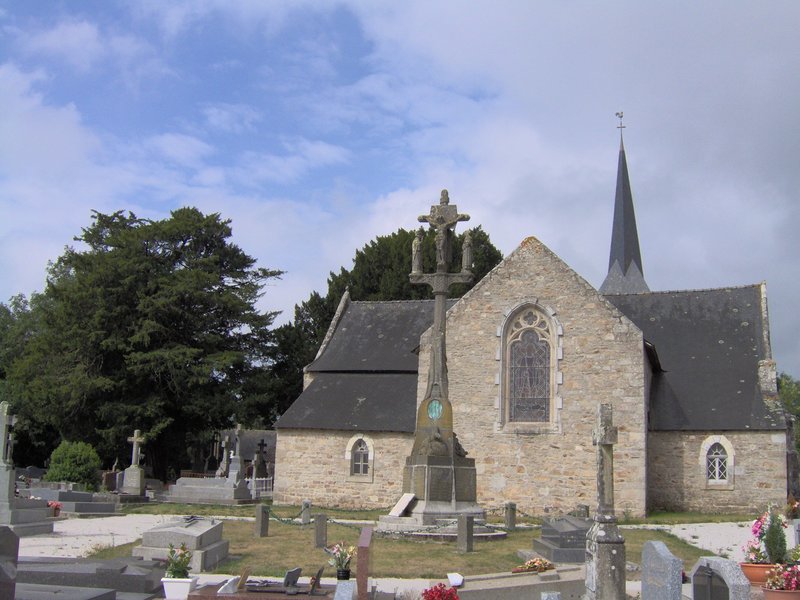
[{"x": 443, "y": 487}]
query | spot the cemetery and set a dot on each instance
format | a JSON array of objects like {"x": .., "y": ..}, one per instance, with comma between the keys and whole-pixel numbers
[{"x": 436, "y": 541}]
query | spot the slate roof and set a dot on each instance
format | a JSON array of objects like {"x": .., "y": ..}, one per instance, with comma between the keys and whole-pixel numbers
[
  {"x": 708, "y": 344},
  {"x": 365, "y": 377}
]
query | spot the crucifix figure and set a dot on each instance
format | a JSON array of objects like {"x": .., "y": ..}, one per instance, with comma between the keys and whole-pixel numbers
[
  {"x": 137, "y": 440},
  {"x": 434, "y": 434}
]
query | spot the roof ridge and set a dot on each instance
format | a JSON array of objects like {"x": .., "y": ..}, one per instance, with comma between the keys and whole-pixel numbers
[{"x": 727, "y": 287}]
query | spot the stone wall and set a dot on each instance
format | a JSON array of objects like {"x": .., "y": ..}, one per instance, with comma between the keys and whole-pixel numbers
[
  {"x": 315, "y": 465},
  {"x": 677, "y": 471},
  {"x": 550, "y": 468}
]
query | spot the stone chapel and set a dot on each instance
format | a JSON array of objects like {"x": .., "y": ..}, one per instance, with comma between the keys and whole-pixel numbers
[{"x": 532, "y": 350}]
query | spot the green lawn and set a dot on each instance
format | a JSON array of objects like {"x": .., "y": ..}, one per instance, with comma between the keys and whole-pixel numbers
[{"x": 291, "y": 545}]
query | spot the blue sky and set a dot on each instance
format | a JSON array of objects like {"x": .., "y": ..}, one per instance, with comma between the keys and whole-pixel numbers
[{"x": 315, "y": 126}]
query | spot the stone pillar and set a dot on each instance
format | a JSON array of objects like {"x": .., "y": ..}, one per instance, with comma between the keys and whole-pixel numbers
[
  {"x": 605, "y": 546},
  {"x": 305, "y": 512},
  {"x": 511, "y": 516},
  {"x": 320, "y": 531},
  {"x": 262, "y": 520},
  {"x": 466, "y": 526}
]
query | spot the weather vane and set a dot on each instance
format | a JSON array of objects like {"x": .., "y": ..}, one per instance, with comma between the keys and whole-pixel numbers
[{"x": 620, "y": 126}]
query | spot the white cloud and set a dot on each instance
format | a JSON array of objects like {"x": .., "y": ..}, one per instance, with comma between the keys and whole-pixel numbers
[
  {"x": 230, "y": 118},
  {"x": 302, "y": 157},
  {"x": 181, "y": 149},
  {"x": 77, "y": 43}
]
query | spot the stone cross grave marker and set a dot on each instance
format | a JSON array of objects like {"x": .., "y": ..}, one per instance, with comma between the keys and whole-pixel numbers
[
  {"x": 222, "y": 470},
  {"x": 137, "y": 440},
  {"x": 605, "y": 546}
]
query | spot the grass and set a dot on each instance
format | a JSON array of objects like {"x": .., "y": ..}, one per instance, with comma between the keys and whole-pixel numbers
[{"x": 292, "y": 545}]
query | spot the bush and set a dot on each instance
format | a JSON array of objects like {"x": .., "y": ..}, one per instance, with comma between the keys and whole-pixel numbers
[
  {"x": 775, "y": 538},
  {"x": 76, "y": 462}
]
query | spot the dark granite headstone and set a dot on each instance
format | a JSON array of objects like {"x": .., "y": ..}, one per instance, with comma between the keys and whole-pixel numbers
[
  {"x": 563, "y": 540},
  {"x": 716, "y": 578},
  {"x": 121, "y": 574},
  {"x": 9, "y": 551}
]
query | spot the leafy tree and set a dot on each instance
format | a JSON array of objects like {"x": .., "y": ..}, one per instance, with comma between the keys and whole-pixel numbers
[
  {"x": 77, "y": 462},
  {"x": 380, "y": 272},
  {"x": 789, "y": 393},
  {"x": 152, "y": 326}
]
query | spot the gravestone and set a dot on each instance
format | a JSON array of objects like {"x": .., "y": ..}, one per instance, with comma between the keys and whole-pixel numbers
[
  {"x": 133, "y": 481},
  {"x": 262, "y": 520},
  {"x": 345, "y": 590},
  {"x": 260, "y": 462},
  {"x": 438, "y": 471},
  {"x": 305, "y": 512},
  {"x": 226, "y": 489},
  {"x": 130, "y": 575},
  {"x": 320, "y": 531},
  {"x": 711, "y": 577},
  {"x": 23, "y": 515},
  {"x": 9, "y": 551},
  {"x": 225, "y": 458},
  {"x": 82, "y": 504},
  {"x": 466, "y": 528},
  {"x": 364, "y": 563},
  {"x": 203, "y": 536},
  {"x": 563, "y": 540},
  {"x": 605, "y": 546},
  {"x": 662, "y": 572}
]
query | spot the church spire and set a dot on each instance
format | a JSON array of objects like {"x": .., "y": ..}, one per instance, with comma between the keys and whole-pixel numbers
[{"x": 625, "y": 273}]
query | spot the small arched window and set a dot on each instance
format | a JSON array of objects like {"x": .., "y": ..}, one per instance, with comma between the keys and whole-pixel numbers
[
  {"x": 359, "y": 461},
  {"x": 717, "y": 463}
]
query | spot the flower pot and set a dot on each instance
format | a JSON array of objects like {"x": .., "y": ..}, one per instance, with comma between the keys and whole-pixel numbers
[
  {"x": 342, "y": 574},
  {"x": 178, "y": 589},
  {"x": 756, "y": 573},
  {"x": 780, "y": 594},
  {"x": 56, "y": 511}
]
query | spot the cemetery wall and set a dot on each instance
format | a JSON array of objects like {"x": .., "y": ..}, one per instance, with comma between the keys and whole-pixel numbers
[
  {"x": 315, "y": 465},
  {"x": 677, "y": 471},
  {"x": 552, "y": 466}
]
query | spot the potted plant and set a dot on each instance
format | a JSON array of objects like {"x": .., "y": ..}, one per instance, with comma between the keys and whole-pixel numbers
[
  {"x": 176, "y": 581},
  {"x": 340, "y": 559},
  {"x": 767, "y": 548},
  {"x": 782, "y": 582},
  {"x": 56, "y": 506}
]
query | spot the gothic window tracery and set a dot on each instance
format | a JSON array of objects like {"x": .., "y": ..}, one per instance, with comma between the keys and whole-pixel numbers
[
  {"x": 529, "y": 367},
  {"x": 717, "y": 463}
]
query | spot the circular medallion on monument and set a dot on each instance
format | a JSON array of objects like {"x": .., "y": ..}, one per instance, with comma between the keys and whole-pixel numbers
[{"x": 434, "y": 410}]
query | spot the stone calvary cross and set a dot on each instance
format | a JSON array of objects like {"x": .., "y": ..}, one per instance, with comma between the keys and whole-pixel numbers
[
  {"x": 137, "y": 440},
  {"x": 434, "y": 433}
]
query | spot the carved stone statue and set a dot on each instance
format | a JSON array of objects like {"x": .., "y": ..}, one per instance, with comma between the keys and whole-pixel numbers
[{"x": 416, "y": 252}]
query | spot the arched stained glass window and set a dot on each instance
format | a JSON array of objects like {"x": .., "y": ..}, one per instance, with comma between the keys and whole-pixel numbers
[{"x": 529, "y": 368}]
